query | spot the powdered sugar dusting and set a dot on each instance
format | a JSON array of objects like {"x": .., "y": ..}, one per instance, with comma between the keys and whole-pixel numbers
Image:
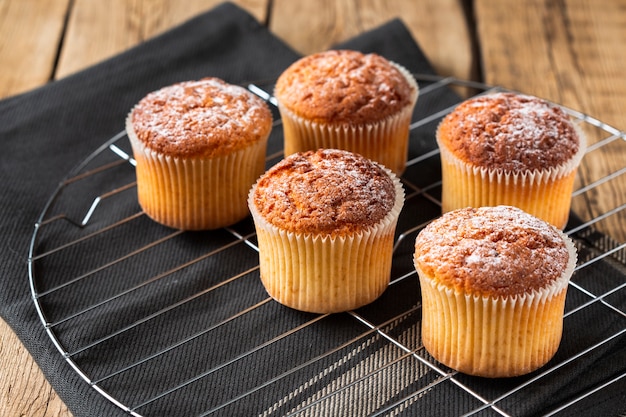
[
  {"x": 491, "y": 251},
  {"x": 510, "y": 131},
  {"x": 326, "y": 191},
  {"x": 340, "y": 86},
  {"x": 200, "y": 117}
]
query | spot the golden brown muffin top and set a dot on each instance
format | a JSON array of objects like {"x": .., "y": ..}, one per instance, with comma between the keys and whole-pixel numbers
[
  {"x": 343, "y": 86},
  {"x": 329, "y": 192},
  {"x": 202, "y": 118},
  {"x": 509, "y": 131},
  {"x": 491, "y": 251}
]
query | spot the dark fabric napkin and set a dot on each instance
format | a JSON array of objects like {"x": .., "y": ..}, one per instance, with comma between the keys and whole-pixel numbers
[{"x": 48, "y": 132}]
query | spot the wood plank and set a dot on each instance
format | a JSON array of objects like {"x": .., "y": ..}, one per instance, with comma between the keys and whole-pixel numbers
[
  {"x": 27, "y": 55},
  {"x": 23, "y": 387},
  {"x": 100, "y": 29},
  {"x": 571, "y": 52},
  {"x": 439, "y": 26}
]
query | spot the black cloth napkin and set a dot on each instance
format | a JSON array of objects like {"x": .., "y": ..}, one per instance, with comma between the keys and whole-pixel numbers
[{"x": 48, "y": 132}]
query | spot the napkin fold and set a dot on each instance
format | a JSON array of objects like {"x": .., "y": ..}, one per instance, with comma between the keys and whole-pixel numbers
[{"x": 47, "y": 132}]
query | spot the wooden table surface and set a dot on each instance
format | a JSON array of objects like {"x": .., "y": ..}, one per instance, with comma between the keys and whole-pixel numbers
[{"x": 569, "y": 51}]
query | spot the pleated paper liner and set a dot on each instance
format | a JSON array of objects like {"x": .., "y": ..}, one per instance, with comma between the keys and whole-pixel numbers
[
  {"x": 384, "y": 141},
  {"x": 197, "y": 193},
  {"x": 543, "y": 193},
  {"x": 494, "y": 336},
  {"x": 323, "y": 273}
]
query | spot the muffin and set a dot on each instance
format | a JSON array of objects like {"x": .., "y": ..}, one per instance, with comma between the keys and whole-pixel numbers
[
  {"x": 199, "y": 146},
  {"x": 510, "y": 149},
  {"x": 325, "y": 223},
  {"x": 348, "y": 100},
  {"x": 493, "y": 282}
]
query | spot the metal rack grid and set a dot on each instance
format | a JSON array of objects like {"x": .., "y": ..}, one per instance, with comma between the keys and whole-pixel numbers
[{"x": 182, "y": 313}]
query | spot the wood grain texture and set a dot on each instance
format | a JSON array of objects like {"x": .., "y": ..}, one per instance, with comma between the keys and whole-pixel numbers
[
  {"x": 439, "y": 26},
  {"x": 24, "y": 390},
  {"x": 571, "y": 52},
  {"x": 100, "y": 29},
  {"x": 31, "y": 33}
]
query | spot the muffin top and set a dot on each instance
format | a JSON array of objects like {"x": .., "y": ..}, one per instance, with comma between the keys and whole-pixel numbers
[
  {"x": 202, "y": 118},
  {"x": 329, "y": 192},
  {"x": 509, "y": 131},
  {"x": 491, "y": 251},
  {"x": 343, "y": 86}
]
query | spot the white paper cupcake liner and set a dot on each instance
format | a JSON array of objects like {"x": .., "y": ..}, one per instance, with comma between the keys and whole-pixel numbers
[
  {"x": 543, "y": 193},
  {"x": 196, "y": 193},
  {"x": 494, "y": 337},
  {"x": 324, "y": 274},
  {"x": 385, "y": 141}
]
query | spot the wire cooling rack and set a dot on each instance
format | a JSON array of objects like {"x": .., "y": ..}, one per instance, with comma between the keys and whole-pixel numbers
[{"x": 164, "y": 322}]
